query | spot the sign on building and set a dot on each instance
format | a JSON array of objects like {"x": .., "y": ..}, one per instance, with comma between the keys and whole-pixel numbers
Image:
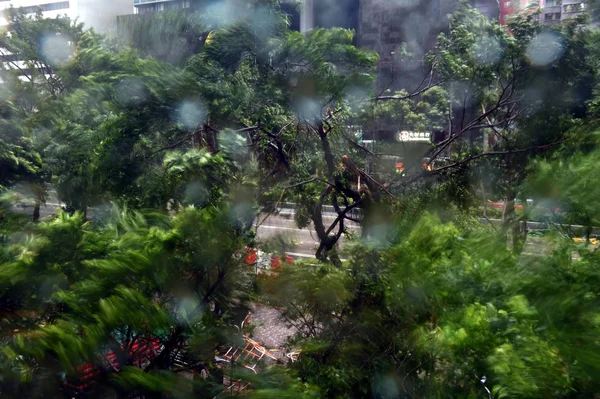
[{"x": 404, "y": 136}]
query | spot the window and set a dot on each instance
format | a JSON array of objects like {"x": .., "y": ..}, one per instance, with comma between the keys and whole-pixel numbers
[
  {"x": 553, "y": 3},
  {"x": 577, "y": 7},
  {"x": 552, "y": 16},
  {"x": 156, "y": 7},
  {"x": 62, "y": 5},
  {"x": 180, "y": 4}
]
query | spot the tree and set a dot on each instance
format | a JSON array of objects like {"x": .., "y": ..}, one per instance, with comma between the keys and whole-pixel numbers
[
  {"x": 21, "y": 166},
  {"x": 429, "y": 303},
  {"x": 108, "y": 288},
  {"x": 171, "y": 36},
  {"x": 444, "y": 313},
  {"x": 501, "y": 87},
  {"x": 429, "y": 317}
]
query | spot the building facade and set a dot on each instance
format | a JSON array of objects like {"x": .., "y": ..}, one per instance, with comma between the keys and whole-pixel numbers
[
  {"x": 149, "y": 6},
  {"x": 49, "y": 8},
  {"x": 489, "y": 8},
  {"x": 392, "y": 30},
  {"x": 509, "y": 8},
  {"x": 572, "y": 8},
  {"x": 100, "y": 15},
  {"x": 552, "y": 11}
]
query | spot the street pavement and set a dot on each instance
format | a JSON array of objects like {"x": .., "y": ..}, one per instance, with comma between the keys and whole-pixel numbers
[
  {"x": 305, "y": 241},
  {"x": 270, "y": 327},
  {"x": 51, "y": 207}
]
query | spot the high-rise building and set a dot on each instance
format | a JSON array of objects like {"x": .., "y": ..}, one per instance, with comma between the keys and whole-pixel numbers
[
  {"x": 489, "y": 8},
  {"x": 49, "y": 8},
  {"x": 572, "y": 8},
  {"x": 146, "y": 6},
  {"x": 551, "y": 11},
  {"x": 98, "y": 14},
  {"x": 393, "y": 28},
  {"x": 509, "y": 8}
]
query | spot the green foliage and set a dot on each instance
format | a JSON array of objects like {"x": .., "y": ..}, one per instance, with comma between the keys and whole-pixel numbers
[
  {"x": 225, "y": 117},
  {"x": 18, "y": 163},
  {"x": 172, "y": 36},
  {"x": 501, "y": 85},
  {"x": 133, "y": 278},
  {"x": 439, "y": 311},
  {"x": 567, "y": 183},
  {"x": 427, "y": 113}
]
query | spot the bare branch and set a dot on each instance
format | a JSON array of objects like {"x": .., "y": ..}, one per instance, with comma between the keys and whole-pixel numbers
[
  {"x": 370, "y": 181},
  {"x": 497, "y": 153},
  {"x": 167, "y": 147},
  {"x": 342, "y": 215},
  {"x": 471, "y": 126},
  {"x": 411, "y": 95},
  {"x": 309, "y": 181},
  {"x": 355, "y": 144},
  {"x": 465, "y": 161}
]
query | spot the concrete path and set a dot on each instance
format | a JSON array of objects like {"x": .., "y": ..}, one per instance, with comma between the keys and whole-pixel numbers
[{"x": 271, "y": 329}]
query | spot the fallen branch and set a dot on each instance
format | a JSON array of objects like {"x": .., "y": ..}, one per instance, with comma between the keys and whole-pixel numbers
[
  {"x": 309, "y": 181},
  {"x": 167, "y": 147},
  {"x": 496, "y": 153},
  {"x": 341, "y": 216},
  {"x": 474, "y": 157}
]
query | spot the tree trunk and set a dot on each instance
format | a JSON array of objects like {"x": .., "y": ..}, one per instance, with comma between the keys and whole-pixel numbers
[
  {"x": 522, "y": 228},
  {"x": 36, "y": 211},
  {"x": 369, "y": 219},
  {"x": 588, "y": 231},
  {"x": 508, "y": 213},
  {"x": 211, "y": 140},
  {"x": 512, "y": 226}
]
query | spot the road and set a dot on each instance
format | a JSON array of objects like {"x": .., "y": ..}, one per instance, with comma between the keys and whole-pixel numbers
[
  {"x": 305, "y": 240},
  {"x": 50, "y": 208}
]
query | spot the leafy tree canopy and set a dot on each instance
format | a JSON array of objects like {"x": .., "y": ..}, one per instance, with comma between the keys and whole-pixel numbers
[{"x": 165, "y": 154}]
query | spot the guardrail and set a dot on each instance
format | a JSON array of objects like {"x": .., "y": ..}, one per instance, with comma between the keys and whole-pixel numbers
[
  {"x": 357, "y": 214},
  {"x": 545, "y": 226}
]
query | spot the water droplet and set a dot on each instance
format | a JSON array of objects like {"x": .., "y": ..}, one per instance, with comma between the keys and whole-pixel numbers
[
  {"x": 544, "y": 49},
  {"x": 191, "y": 114},
  {"x": 131, "y": 91},
  {"x": 57, "y": 50},
  {"x": 486, "y": 50}
]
